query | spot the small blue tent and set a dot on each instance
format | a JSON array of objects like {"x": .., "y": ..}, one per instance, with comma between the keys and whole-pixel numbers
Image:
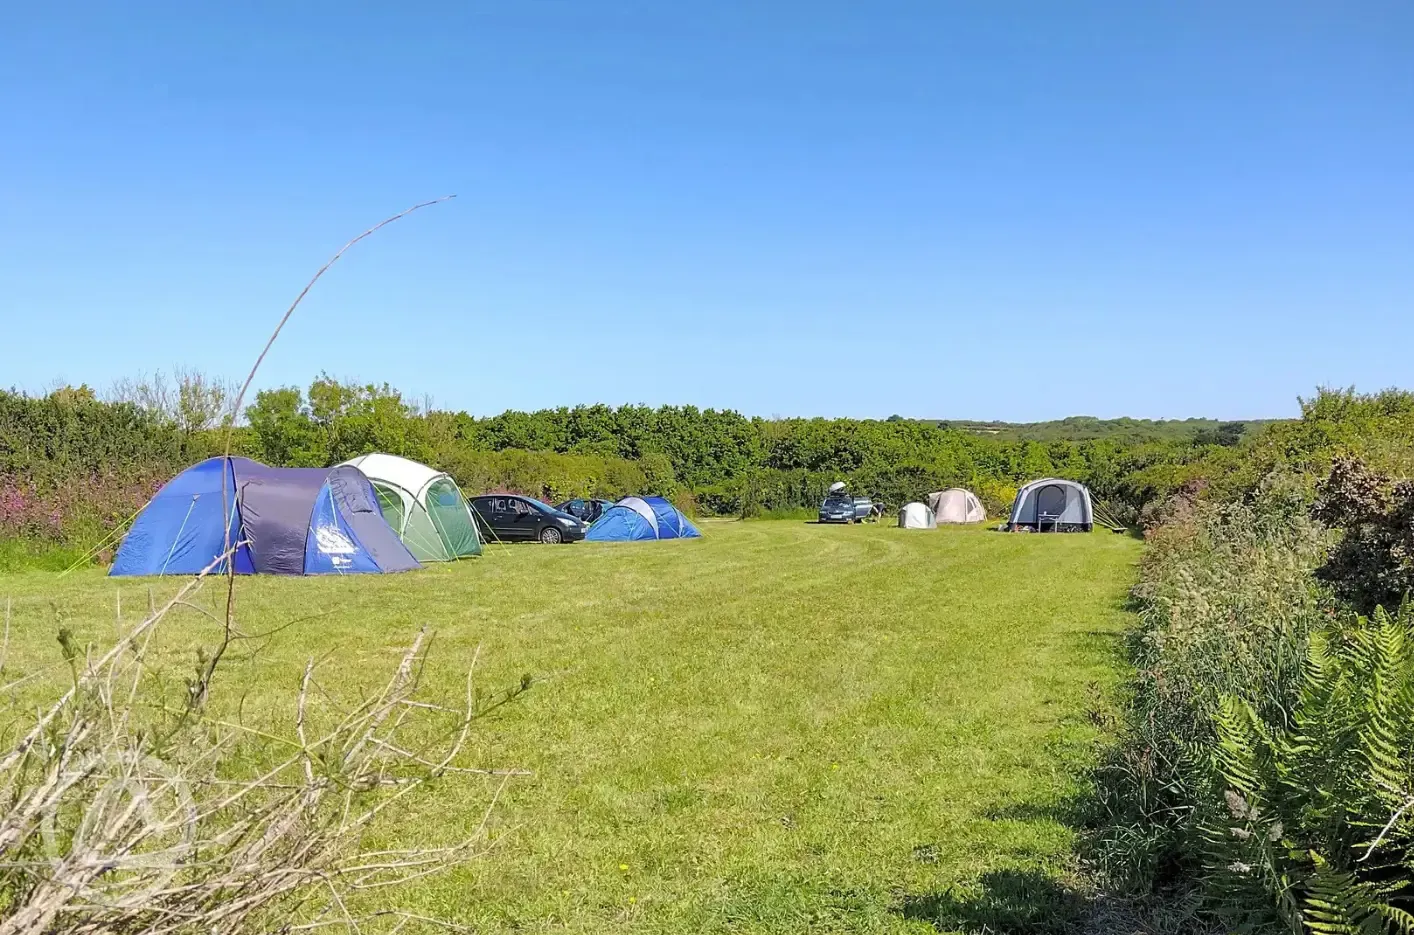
[
  {"x": 641, "y": 518},
  {"x": 287, "y": 521}
]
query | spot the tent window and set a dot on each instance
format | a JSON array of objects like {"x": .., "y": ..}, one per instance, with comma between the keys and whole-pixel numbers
[
  {"x": 391, "y": 504},
  {"x": 421, "y": 536}
]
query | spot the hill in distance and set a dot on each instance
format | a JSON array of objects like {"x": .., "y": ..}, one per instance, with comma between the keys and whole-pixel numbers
[{"x": 1085, "y": 428}]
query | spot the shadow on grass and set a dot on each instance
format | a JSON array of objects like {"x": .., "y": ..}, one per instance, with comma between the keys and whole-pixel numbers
[
  {"x": 1131, "y": 875},
  {"x": 1003, "y": 901},
  {"x": 1111, "y": 844}
]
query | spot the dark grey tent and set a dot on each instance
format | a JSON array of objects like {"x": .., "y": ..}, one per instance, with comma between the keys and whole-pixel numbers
[{"x": 1052, "y": 505}]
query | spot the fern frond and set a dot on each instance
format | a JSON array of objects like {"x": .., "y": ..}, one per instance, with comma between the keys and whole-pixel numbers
[
  {"x": 1338, "y": 904},
  {"x": 1235, "y": 756},
  {"x": 1396, "y": 920},
  {"x": 1386, "y": 653}
]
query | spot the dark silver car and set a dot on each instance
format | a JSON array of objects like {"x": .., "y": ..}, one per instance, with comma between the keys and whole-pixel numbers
[
  {"x": 837, "y": 510},
  {"x": 842, "y": 508}
]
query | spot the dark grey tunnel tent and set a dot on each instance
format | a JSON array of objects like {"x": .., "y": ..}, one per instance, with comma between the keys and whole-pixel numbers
[{"x": 1052, "y": 505}]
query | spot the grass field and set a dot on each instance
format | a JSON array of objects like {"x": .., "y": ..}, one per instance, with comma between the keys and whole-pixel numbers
[{"x": 778, "y": 728}]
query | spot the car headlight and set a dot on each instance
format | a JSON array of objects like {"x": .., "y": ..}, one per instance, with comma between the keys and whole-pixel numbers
[{"x": 569, "y": 522}]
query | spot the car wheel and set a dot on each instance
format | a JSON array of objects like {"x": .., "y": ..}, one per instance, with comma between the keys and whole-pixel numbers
[{"x": 551, "y": 536}]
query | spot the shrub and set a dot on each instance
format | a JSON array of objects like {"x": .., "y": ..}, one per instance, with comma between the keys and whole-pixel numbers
[
  {"x": 73, "y": 469},
  {"x": 658, "y": 477},
  {"x": 763, "y": 492},
  {"x": 996, "y": 495},
  {"x": 720, "y": 499},
  {"x": 82, "y": 512},
  {"x": 1373, "y": 564},
  {"x": 546, "y": 475},
  {"x": 1226, "y": 603},
  {"x": 47, "y": 439},
  {"x": 686, "y": 504}
]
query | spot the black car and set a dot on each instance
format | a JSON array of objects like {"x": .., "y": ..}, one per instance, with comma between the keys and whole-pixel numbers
[
  {"x": 513, "y": 518},
  {"x": 584, "y": 509}
]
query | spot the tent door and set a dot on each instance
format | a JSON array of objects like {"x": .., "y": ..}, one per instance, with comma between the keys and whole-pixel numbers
[{"x": 1050, "y": 507}]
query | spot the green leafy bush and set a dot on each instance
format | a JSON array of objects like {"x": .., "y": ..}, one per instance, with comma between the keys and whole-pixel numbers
[
  {"x": 70, "y": 432},
  {"x": 547, "y": 475},
  {"x": 74, "y": 469},
  {"x": 1264, "y": 743},
  {"x": 1374, "y": 563}
]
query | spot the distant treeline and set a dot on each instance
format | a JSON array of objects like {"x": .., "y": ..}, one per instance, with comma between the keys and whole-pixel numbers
[
  {"x": 716, "y": 460},
  {"x": 73, "y": 465},
  {"x": 1090, "y": 428}
]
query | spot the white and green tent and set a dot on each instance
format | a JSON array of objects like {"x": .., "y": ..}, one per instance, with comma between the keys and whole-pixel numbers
[{"x": 425, "y": 507}]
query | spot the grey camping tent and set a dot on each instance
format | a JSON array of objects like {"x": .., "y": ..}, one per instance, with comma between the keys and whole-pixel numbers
[
  {"x": 1052, "y": 505},
  {"x": 916, "y": 516}
]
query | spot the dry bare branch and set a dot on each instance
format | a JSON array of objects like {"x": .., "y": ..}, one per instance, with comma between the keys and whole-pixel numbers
[
  {"x": 111, "y": 825},
  {"x": 200, "y": 689},
  {"x": 284, "y": 319},
  {"x": 122, "y": 813}
]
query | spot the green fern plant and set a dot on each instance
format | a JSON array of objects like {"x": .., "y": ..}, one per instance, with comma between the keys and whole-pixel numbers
[{"x": 1315, "y": 832}]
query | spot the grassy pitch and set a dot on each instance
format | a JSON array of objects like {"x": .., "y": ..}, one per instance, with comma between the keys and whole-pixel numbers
[{"x": 781, "y": 727}]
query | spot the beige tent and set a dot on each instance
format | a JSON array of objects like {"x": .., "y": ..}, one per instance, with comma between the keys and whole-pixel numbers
[
  {"x": 957, "y": 506},
  {"x": 916, "y": 516}
]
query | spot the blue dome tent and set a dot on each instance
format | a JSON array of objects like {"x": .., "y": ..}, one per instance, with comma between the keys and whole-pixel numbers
[
  {"x": 634, "y": 518},
  {"x": 288, "y": 521}
]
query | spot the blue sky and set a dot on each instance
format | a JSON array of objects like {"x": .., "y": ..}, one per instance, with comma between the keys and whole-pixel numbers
[{"x": 1017, "y": 211}]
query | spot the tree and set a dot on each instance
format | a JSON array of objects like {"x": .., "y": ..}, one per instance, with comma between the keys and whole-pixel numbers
[
  {"x": 72, "y": 395},
  {"x": 202, "y": 402},
  {"x": 285, "y": 434},
  {"x": 359, "y": 419},
  {"x": 658, "y": 474},
  {"x": 193, "y": 403},
  {"x": 1230, "y": 433},
  {"x": 1226, "y": 434}
]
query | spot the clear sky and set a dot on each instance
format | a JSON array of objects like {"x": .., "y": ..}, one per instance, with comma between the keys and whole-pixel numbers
[{"x": 1016, "y": 210}]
